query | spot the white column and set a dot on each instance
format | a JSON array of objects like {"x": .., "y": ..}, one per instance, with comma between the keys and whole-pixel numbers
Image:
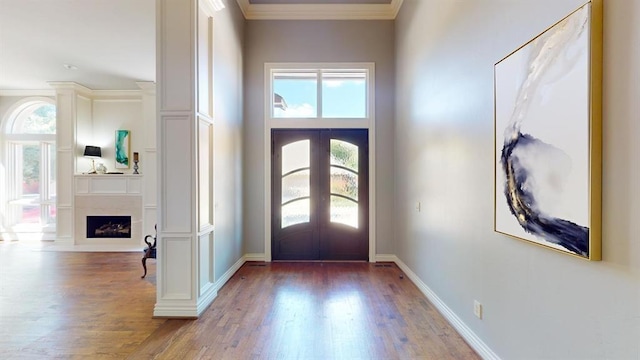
[
  {"x": 185, "y": 232},
  {"x": 148, "y": 158},
  {"x": 68, "y": 96}
]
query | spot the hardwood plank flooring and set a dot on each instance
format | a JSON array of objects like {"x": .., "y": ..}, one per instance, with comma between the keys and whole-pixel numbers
[{"x": 65, "y": 305}]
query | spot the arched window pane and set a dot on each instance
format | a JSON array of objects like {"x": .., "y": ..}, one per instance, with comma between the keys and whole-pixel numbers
[
  {"x": 36, "y": 119},
  {"x": 344, "y": 211},
  {"x": 296, "y": 185},
  {"x": 344, "y": 182},
  {"x": 296, "y": 212},
  {"x": 344, "y": 154},
  {"x": 296, "y": 155}
]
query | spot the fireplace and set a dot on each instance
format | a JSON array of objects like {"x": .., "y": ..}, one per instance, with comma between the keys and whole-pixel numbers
[{"x": 108, "y": 227}]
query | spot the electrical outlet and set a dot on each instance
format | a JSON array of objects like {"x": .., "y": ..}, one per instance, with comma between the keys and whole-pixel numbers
[
  {"x": 477, "y": 309},
  {"x": 418, "y": 206}
]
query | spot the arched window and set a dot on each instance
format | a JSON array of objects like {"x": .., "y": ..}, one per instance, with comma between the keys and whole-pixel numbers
[{"x": 30, "y": 135}]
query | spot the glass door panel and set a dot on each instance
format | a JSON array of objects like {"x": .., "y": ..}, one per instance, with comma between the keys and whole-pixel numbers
[
  {"x": 344, "y": 211},
  {"x": 51, "y": 172},
  {"x": 320, "y": 194},
  {"x": 296, "y": 212},
  {"x": 344, "y": 182},
  {"x": 30, "y": 171},
  {"x": 296, "y": 155},
  {"x": 296, "y": 187},
  {"x": 344, "y": 154},
  {"x": 33, "y": 204}
]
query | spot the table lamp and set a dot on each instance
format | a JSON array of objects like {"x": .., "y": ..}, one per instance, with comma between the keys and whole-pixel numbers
[{"x": 92, "y": 152}]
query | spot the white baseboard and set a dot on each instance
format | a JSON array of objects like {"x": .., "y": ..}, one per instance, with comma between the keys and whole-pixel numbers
[
  {"x": 210, "y": 294},
  {"x": 27, "y": 237},
  {"x": 64, "y": 240},
  {"x": 56, "y": 246},
  {"x": 386, "y": 258},
  {"x": 254, "y": 257},
  {"x": 229, "y": 273},
  {"x": 470, "y": 337},
  {"x": 175, "y": 310}
]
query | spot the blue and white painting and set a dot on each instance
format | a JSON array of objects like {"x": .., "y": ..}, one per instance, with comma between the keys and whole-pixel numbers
[
  {"x": 122, "y": 149},
  {"x": 542, "y": 122}
]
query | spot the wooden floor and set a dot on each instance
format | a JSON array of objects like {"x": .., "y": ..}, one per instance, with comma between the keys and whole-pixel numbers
[{"x": 66, "y": 305}]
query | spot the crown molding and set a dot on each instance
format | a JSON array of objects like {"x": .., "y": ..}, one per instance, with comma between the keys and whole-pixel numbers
[
  {"x": 24, "y": 93},
  {"x": 395, "y": 7},
  {"x": 320, "y": 11},
  {"x": 103, "y": 94},
  {"x": 69, "y": 85},
  {"x": 148, "y": 87},
  {"x": 116, "y": 94}
]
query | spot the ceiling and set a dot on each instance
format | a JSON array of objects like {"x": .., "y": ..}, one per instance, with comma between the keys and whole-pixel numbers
[{"x": 110, "y": 44}]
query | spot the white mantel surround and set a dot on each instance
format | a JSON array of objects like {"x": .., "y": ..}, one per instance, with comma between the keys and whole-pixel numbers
[{"x": 108, "y": 194}]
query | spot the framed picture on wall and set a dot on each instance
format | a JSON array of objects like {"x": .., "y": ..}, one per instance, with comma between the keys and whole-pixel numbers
[
  {"x": 123, "y": 149},
  {"x": 548, "y": 130}
]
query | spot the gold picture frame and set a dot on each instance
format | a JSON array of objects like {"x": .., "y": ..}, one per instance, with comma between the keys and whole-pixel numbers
[{"x": 548, "y": 137}]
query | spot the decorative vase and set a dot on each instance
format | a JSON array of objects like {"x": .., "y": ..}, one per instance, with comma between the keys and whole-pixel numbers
[{"x": 101, "y": 169}]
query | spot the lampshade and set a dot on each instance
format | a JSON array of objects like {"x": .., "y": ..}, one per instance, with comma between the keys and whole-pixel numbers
[{"x": 93, "y": 151}]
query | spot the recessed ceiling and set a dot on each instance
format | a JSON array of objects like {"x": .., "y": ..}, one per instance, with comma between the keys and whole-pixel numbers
[
  {"x": 320, "y": 9},
  {"x": 320, "y": 1}
]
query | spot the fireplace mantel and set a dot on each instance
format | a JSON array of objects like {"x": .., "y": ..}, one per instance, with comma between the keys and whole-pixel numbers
[
  {"x": 120, "y": 184},
  {"x": 108, "y": 195}
]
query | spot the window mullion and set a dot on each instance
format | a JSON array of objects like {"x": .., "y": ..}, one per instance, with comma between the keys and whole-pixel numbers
[
  {"x": 319, "y": 93},
  {"x": 44, "y": 172},
  {"x": 18, "y": 169},
  {"x": 14, "y": 193}
]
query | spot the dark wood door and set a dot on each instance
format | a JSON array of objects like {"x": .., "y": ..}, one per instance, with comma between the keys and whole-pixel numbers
[{"x": 320, "y": 194}]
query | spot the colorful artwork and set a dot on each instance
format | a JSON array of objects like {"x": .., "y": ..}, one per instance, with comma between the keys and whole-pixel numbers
[
  {"x": 123, "y": 142},
  {"x": 547, "y": 129}
]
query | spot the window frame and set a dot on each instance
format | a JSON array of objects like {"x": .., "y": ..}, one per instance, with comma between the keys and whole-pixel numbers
[
  {"x": 12, "y": 196},
  {"x": 319, "y": 121}
]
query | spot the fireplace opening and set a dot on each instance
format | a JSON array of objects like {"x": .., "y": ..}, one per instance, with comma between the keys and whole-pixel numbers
[{"x": 108, "y": 227}]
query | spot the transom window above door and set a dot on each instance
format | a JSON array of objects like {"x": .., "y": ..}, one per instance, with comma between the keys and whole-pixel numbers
[{"x": 305, "y": 91}]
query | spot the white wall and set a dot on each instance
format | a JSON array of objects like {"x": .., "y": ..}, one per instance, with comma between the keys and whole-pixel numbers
[
  {"x": 538, "y": 303},
  {"x": 103, "y": 117},
  {"x": 109, "y": 116}
]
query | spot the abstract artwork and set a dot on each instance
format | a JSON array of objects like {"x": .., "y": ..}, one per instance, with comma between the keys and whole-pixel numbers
[
  {"x": 123, "y": 142},
  {"x": 548, "y": 137}
]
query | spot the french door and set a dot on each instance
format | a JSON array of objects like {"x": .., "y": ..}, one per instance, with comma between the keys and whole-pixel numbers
[{"x": 320, "y": 195}]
